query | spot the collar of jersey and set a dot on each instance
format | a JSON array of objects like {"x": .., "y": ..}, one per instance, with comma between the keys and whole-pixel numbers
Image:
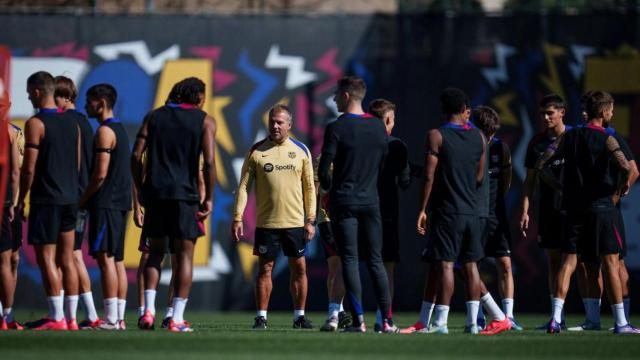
[
  {"x": 607, "y": 130},
  {"x": 182, "y": 106},
  {"x": 110, "y": 121},
  {"x": 362, "y": 116},
  {"x": 468, "y": 126},
  {"x": 49, "y": 110}
]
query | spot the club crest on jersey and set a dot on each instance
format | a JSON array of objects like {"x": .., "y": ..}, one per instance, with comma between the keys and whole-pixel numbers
[
  {"x": 292, "y": 155},
  {"x": 262, "y": 249},
  {"x": 268, "y": 167}
]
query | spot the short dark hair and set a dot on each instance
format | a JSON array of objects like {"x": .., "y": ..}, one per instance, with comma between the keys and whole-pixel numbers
[
  {"x": 486, "y": 119},
  {"x": 188, "y": 91},
  {"x": 281, "y": 108},
  {"x": 355, "y": 86},
  {"x": 596, "y": 102},
  {"x": 453, "y": 101},
  {"x": 103, "y": 92},
  {"x": 554, "y": 100},
  {"x": 65, "y": 88},
  {"x": 379, "y": 107},
  {"x": 42, "y": 81}
]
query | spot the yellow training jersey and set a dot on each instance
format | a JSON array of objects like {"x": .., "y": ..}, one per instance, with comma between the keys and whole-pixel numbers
[{"x": 285, "y": 192}]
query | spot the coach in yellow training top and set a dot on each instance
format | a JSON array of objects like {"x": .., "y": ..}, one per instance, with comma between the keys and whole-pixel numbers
[{"x": 286, "y": 211}]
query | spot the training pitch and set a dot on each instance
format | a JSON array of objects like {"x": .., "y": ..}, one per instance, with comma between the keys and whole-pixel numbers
[{"x": 229, "y": 335}]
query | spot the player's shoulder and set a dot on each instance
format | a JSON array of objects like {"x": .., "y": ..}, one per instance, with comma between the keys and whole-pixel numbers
[
  {"x": 300, "y": 147},
  {"x": 258, "y": 147}
]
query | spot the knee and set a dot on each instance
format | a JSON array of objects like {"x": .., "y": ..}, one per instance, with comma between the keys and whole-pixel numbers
[{"x": 505, "y": 264}]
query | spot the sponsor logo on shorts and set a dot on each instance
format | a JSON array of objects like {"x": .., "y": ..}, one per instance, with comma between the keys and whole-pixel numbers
[
  {"x": 268, "y": 167},
  {"x": 300, "y": 251},
  {"x": 262, "y": 249},
  {"x": 292, "y": 155}
]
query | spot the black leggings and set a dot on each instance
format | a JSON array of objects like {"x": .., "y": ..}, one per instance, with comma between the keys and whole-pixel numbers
[{"x": 358, "y": 227}]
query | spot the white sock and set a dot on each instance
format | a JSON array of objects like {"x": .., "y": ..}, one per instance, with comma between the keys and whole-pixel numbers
[
  {"x": 56, "y": 312},
  {"x": 592, "y": 307},
  {"x": 179, "y": 304},
  {"x": 71, "y": 306},
  {"x": 378, "y": 316},
  {"x": 122, "y": 307},
  {"x": 425, "y": 312},
  {"x": 7, "y": 314},
  {"x": 341, "y": 307},
  {"x": 150, "y": 301},
  {"x": 492, "y": 308},
  {"x": 89, "y": 307},
  {"x": 140, "y": 311},
  {"x": 334, "y": 310},
  {"x": 1, "y": 310},
  {"x": 627, "y": 308},
  {"x": 507, "y": 307},
  {"x": 442, "y": 315},
  {"x": 262, "y": 313},
  {"x": 62, "y": 293},
  {"x": 618, "y": 314},
  {"x": 111, "y": 310},
  {"x": 297, "y": 314},
  {"x": 168, "y": 312},
  {"x": 556, "y": 307},
  {"x": 472, "y": 312}
]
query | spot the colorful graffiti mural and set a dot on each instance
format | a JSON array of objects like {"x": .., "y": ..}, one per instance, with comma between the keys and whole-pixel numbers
[{"x": 251, "y": 63}]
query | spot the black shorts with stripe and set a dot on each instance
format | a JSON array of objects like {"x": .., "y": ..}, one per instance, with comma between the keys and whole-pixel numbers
[
  {"x": 107, "y": 232},
  {"x": 175, "y": 219},
  {"x": 46, "y": 222},
  {"x": 453, "y": 237},
  {"x": 595, "y": 234},
  {"x": 11, "y": 237},
  {"x": 496, "y": 237}
]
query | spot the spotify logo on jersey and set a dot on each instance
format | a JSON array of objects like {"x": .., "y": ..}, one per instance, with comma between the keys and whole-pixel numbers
[{"x": 268, "y": 167}]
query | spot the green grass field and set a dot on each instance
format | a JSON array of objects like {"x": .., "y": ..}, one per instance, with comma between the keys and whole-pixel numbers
[{"x": 229, "y": 335}]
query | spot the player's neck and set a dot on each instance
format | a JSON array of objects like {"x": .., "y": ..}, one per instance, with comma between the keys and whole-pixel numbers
[
  {"x": 69, "y": 106},
  {"x": 599, "y": 122},
  {"x": 355, "y": 108},
  {"x": 556, "y": 131},
  {"x": 281, "y": 140},
  {"x": 457, "y": 119},
  {"x": 48, "y": 103},
  {"x": 104, "y": 116}
]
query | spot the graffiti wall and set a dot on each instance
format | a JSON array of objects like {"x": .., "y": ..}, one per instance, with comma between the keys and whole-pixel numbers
[{"x": 251, "y": 63}]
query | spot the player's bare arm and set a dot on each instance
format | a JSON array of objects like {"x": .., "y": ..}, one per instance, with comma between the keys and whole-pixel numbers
[
  {"x": 507, "y": 168},
  {"x": 527, "y": 192},
  {"x": 139, "y": 148},
  {"x": 34, "y": 133},
  {"x": 105, "y": 142},
  {"x": 434, "y": 143},
  {"x": 621, "y": 162},
  {"x": 209, "y": 166},
  {"x": 483, "y": 160}
]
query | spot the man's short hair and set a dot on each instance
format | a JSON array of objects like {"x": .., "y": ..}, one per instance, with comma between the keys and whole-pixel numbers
[
  {"x": 596, "y": 102},
  {"x": 65, "y": 88},
  {"x": 486, "y": 119},
  {"x": 553, "y": 100},
  {"x": 42, "y": 81},
  {"x": 103, "y": 92},
  {"x": 453, "y": 101},
  {"x": 189, "y": 91},
  {"x": 379, "y": 107},
  {"x": 277, "y": 108},
  {"x": 355, "y": 86}
]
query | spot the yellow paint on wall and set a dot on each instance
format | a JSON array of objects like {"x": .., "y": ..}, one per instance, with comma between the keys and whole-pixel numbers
[{"x": 247, "y": 260}]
